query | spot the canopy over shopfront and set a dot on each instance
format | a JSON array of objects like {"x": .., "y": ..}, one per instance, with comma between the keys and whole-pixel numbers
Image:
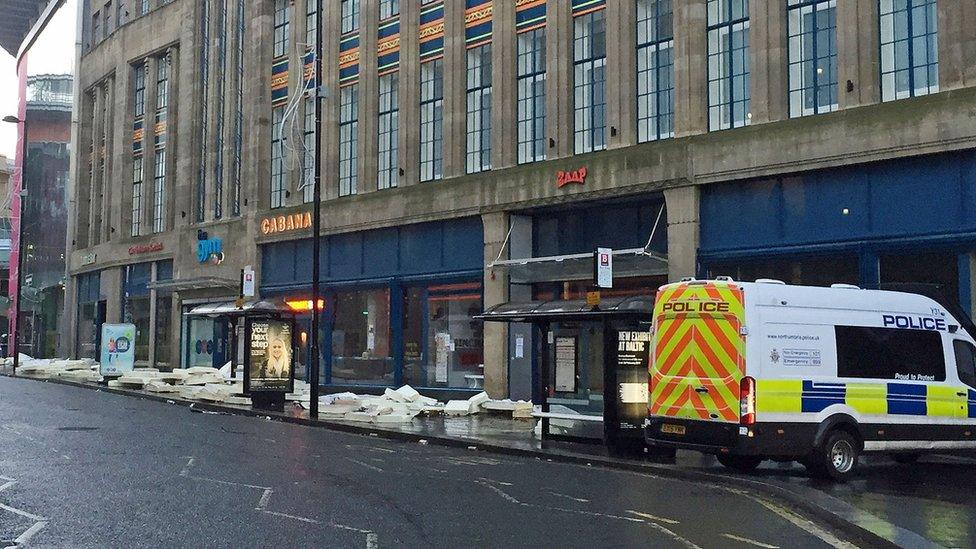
[
  {"x": 634, "y": 262},
  {"x": 590, "y": 371}
]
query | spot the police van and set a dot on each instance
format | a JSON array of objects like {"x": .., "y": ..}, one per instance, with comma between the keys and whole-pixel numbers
[{"x": 765, "y": 370}]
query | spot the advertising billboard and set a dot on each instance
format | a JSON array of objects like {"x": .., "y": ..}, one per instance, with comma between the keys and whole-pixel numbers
[
  {"x": 270, "y": 356},
  {"x": 118, "y": 353}
]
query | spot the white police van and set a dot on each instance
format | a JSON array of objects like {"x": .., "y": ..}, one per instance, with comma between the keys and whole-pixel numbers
[{"x": 765, "y": 370}]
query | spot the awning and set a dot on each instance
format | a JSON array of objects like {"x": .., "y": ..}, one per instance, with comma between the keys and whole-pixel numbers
[
  {"x": 230, "y": 308},
  {"x": 198, "y": 283},
  {"x": 626, "y": 263},
  {"x": 572, "y": 309}
]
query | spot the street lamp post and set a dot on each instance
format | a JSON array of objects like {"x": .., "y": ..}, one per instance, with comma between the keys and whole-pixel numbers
[
  {"x": 314, "y": 361},
  {"x": 20, "y": 243}
]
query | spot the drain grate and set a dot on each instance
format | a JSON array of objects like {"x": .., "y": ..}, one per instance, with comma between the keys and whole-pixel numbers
[{"x": 77, "y": 428}]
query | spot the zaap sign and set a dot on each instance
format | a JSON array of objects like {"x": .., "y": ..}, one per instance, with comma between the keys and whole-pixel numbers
[
  {"x": 210, "y": 249},
  {"x": 286, "y": 223},
  {"x": 565, "y": 178}
]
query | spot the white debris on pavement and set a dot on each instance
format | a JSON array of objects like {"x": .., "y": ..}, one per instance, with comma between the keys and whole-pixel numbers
[{"x": 219, "y": 387}]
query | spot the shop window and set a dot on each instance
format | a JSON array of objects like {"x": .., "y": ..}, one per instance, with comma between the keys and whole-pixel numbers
[
  {"x": 88, "y": 294},
  {"x": 164, "y": 317},
  {"x": 135, "y": 305},
  {"x": 443, "y": 345},
  {"x": 938, "y": 269},
  {"x": 200, "y": 343},
  {"x": 821, "y": 271},
  {"x": 889, "y": 353},
  {"x": 361, "y": 348}
]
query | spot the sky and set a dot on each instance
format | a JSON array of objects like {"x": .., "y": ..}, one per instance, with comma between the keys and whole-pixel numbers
[{"x": 53, "y": 52}]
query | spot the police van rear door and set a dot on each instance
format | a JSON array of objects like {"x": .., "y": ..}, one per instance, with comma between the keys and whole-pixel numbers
[{"x": 699, "y": 351}]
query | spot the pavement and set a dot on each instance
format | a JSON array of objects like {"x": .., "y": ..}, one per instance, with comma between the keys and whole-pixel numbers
[{"x": 82, "y": 468}]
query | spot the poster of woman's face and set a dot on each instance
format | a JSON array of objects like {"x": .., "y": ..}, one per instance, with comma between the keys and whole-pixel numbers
[{"x": 271, "y": 355}]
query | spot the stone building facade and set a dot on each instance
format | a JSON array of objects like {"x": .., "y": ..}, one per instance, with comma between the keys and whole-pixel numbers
[{"x": 815, "y": 141}]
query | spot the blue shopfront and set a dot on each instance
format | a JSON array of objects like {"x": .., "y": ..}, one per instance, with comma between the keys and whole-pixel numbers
[
  {"x": 398, "y": 304},
  {"x": 909, "y": 220}
]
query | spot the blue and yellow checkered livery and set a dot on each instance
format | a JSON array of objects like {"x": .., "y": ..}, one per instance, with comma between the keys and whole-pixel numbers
[{"x": 778, "y": 396}]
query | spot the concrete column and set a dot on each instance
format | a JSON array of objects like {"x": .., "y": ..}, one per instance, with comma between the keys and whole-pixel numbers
[
  {"x": 369, "y": 102},
  {"x": 329, "y": 132},
  {"x": 408, "y": 137},
  {"x": 559, "y": 78},
  {"x": 81, "y": 176},
  {"x": 621, "y": 89},
  {"x": 768, "y": 78},
  {"x": 98, "y": 176},
  {"x": 682, "y": 205},
  {"x": 858, "y": 63},
  {"x": 495, "y": 292},
  {"x": 173, "y": 142},
  {"x": 455, "y": 83},
  {"x": 504, "y": 86},
  {"x": 149, "y": 151},
  {"x": 109, "y": 214},
  {"x": 957, "y": 44},
  {"x": 111, "y": 291},
  {"x": 690, "y": 68}
]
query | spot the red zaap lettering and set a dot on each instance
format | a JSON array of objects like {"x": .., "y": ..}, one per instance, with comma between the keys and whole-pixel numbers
[
  {"x": 565, "y": 178},
  {"x": 698, "y": 307}
]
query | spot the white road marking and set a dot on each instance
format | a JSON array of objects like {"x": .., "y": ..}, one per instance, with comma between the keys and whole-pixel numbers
[
  {"x": 263, "y": 502},
  {"x": 653, "y": 517},
  {"x": 366, "y": 465},
  {"x": 39, "y": 521},
  {"x": 372, "y": 540},
  {"x": 801, "y": 523},
  {"x": 567, "y": 496},
  {"x": 750, "y": 541},
  {"x": 29, "y": 533},
  {"x": 503, "y": 483},
  {"x": 285, "y": 515}
]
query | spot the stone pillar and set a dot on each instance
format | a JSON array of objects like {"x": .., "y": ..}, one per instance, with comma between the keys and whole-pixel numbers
[
  {"x": 858, "y": 64},
  {"x": 768, "y": 78},
  {"x": 690, "y": 68},
  {"x": 110, "y": 223},
  {"x": 369, "y": 102},
  {"x": 621, "y": 88},
  {"x": 408, "y": 153},
  {"x": 559, "y": 79},
  {"x": 495, "y": 292},
  {"x": 957, "y": 44},
  {"x": 455, "y": 107},
  {"x": 110, "y": 289},
  {"x": 683, "y": 231},
  {"x": 329, "y": 130},
  {"x": 95, "y": 202},
  {"x": 504, "y": 86}
]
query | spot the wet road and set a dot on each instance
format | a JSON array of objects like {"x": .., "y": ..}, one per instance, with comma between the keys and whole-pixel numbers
[{"x": 87, "y": 469}]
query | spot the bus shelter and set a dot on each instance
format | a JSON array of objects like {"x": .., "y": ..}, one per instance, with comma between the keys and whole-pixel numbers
[
  {"x": 589, "y": 366},
  {"x": 232, "y": 315}
]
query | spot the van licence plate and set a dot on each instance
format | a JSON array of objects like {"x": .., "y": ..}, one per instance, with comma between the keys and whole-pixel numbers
[{"x": 673, "y": 429}]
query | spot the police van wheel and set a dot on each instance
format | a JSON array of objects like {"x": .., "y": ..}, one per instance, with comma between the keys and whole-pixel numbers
[
  {"x": 742, "y": 464},
  {"x": 836, "y": 458}
]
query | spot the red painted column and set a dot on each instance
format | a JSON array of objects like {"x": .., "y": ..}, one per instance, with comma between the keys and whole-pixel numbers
[{"x": 16, "y": 184}]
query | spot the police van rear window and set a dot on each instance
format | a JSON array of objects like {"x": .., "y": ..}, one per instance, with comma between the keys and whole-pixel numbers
[{"x": 889, "y": 353}]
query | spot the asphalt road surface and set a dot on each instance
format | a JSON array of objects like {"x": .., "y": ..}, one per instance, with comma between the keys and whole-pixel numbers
[{"x": 82, "y": 468}]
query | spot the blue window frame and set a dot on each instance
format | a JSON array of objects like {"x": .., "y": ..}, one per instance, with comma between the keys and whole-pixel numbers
[
  {"x": 389, "y": 130},
  {"x": 589, "y": 78},
  {"x": 432, "y": 120},
  {"x": 478, "y": 109},
  {"x": 813, "y": 56},
  {"x": 348, "y": 139},
  {"x": 728, "y": 64},
  {"x": 279, "y": 175},
  {"x": 655, "y": 70},
  {"x": 532, "y": 96},
  {"x": 350, "y": 15},
  {"x": 389, "y": 8},
  {"x": 282, "y": 15},
  {"x": 909, "y": 48}
]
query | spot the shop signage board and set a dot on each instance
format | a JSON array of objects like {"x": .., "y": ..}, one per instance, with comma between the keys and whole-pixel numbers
[
  {"x": 118, "y": 353},
  {"x": 270, "y": 356},
  {"x": 603, "y": 267},
  {"x": 88, "y": 259},
  {"x": 286, "y": 223},
  {"x": 575, "y": 176},
  {"x": 146, "y": 248}
]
